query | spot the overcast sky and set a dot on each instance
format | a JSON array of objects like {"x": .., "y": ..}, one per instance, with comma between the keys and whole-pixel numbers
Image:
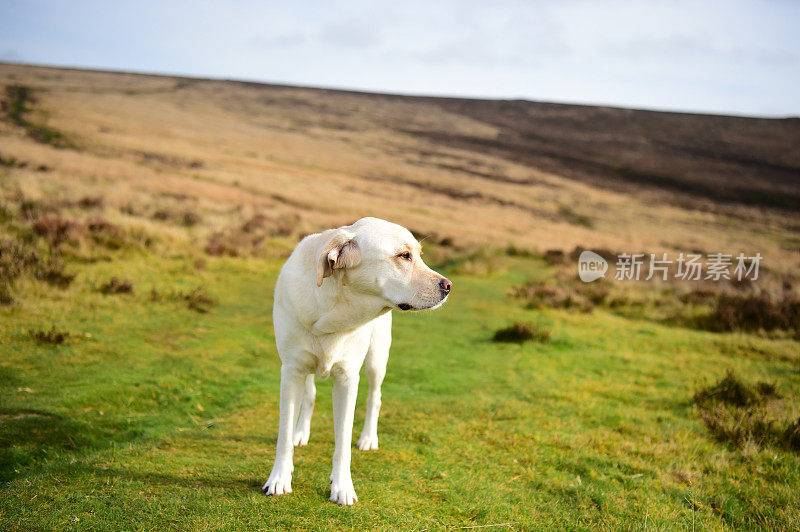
[{"x": 737, "y": 57}]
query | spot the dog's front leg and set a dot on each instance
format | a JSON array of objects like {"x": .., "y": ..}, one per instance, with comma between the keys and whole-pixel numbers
[
  {"x": 345, "y": 388},
  {"x": 280, "y": 480}
]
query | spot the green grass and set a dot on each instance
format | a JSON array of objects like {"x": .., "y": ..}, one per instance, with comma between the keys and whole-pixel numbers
[{"x": 155, "y": 416}]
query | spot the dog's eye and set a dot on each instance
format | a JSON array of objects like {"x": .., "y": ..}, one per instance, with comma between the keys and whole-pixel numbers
[{"x": 404, "y": 255}]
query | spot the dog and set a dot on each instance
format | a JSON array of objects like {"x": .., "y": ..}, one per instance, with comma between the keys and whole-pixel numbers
[{"x": 332, "y": 311}]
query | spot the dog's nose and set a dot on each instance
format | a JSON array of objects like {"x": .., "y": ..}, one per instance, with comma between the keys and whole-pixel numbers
[{"x": 445, "y": 284}]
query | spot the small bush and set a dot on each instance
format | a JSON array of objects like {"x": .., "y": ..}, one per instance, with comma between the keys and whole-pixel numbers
[
  {"x": 555, "y": 257},
  {"x": 6, "y": 297},
  {"x": 190, "y": 218},
  {"x": 199, "y": 300},
  {"x": 522, "y": 332},
  {"x": 52, "y": 272},
  {"x": 90, "y": 202},
  {"x": 735, "y": 312},
  {"x": 56, "y": 230},
  {"x": 219, "y": 244},
  {"x": 51, "y": 336},
  {"x": 269, "y": 225},
  {"x": 14, "y": 259},
  {"x": 116, "y": 286},
  {"x": 105, "y": 233},
  {"x": 515, "y": 251},
  {"x": 791, "y": 436},
  {"x": 737, "y": 412},
  {"x": 538, "y": 295},
  {"x": 731, "y": 390},
  {"x": 11, "y": 162}
]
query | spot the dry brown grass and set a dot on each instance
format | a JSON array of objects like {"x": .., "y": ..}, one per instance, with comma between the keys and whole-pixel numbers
[{"x": 227, "y": 151}]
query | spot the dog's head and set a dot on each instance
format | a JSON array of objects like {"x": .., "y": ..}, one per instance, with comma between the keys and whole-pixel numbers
[{"x": 382, "y": 259}]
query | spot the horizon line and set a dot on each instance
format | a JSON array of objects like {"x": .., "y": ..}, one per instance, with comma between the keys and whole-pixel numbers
[{"x": 354, "y": 90}]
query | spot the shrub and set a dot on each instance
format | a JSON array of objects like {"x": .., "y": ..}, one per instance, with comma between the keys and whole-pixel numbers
[
  {"x": 14, "y": 259},
  {"x": 52, "y": 272},
  {"x": 51, "y": 336},
  {"x": 731, "y": 390},
  {"x": 116, "y": 286},
  {"x": 554, "y": 257},
  {"x": 190, "y": 218},
  {"x": 732, "y": 312},
  {"x": 105, "y": 233},
  {"x": 791, "y": 436},
  {"x": 522, "y": 332},
  {"x": 245, "y": 238},
  {"x": 199, "y": 300},
  {"x": 220, "y": 244},
  {"x": 90, "y": 202},
  {"x": 56, "y": 230},
  {"x": 538, "y": 295},
  {"x": 737, "y": 412}
]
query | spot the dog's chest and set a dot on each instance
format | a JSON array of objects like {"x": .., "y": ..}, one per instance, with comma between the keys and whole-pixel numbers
[{"x": 341, "y": 349}]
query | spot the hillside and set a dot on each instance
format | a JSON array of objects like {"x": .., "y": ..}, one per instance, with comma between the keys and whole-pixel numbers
[
  {"x": 534, "y": 175},
  {"x": 143, "y": 223}
]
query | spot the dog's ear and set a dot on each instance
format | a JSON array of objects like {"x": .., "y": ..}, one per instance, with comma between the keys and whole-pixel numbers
[{"x": 340, "y": 252}]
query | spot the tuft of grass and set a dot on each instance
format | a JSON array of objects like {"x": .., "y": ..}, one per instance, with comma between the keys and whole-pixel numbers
[
  {"x": 732, "y": 390},
  {"x": 90, "y": 202},
  {"x": 520, "y": 332},
  {"x": 50, "y": 336},
  {"x": 190, "y": 218},
  {"x": 15, "y": 258},
  {"x": 115, "y": 285},
  {"x": 740, "y": 413},
  {"x": 791, "y": 436},
  {"x": 199, "y": 300},
  {"x": 105, "y": 233},
  {"x": 196, "y": 299},
  {"x": 53, "y": 272}
]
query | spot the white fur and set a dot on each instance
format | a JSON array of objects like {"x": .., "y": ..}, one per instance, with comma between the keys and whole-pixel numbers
[{"x": 332, "y": 309}]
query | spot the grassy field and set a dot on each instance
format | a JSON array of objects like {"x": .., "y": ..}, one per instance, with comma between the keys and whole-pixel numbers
[
  {"x": 153, "y": 415},
  {"x": 152, "y": 401}
]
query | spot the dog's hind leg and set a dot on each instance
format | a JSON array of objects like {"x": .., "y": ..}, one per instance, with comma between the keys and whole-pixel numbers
[
  {"x": 375, "y": 368},
  {"x": 303, "y": 429}
]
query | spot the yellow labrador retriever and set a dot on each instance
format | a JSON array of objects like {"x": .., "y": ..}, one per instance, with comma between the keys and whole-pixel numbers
[{"x": 332, "y": 310}]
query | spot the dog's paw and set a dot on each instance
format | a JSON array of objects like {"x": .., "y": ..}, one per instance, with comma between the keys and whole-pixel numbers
[
  {"x": 300, "y": 437},
  {"x": 279, "y": 483},
  {"x": 368, "y": 442},
  {"x": 343, "y": 492}
]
